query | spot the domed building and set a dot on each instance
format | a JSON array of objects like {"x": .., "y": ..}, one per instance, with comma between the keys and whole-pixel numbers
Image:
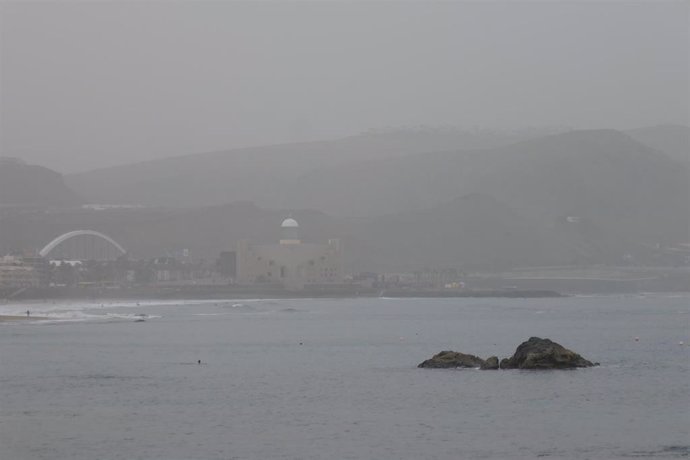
[
  {"x": 289, "y": 232},
  {"x": 290, "y": 263}
]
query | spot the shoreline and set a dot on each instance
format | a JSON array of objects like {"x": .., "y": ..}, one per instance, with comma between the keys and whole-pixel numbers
[
  {"x": 211, "y": 293},
  {"x": 50, "y": 294},
  {"x": 11, "y": 318}
]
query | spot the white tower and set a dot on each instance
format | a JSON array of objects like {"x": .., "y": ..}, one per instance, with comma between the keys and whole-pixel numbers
[{"x": 289, "y": 232}]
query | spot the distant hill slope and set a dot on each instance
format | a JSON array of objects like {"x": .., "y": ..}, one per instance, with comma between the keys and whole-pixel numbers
[
  {"x": 606, "y": 177},
  {"x": 475, "y": 231},
  {"x": 31, "y": 185},
  {"x": 602, "y": 175},
  {"x": 478, "y": 232},
  {"x": 674, "y": 140},
  {"x": 262, "y": 174}
]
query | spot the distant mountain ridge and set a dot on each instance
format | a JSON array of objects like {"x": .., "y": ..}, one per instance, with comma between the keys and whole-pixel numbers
[
  {"x": 262, "y": 174},
  {"x": 601, "y": 174},
  {"x": 287, "y": 175}
]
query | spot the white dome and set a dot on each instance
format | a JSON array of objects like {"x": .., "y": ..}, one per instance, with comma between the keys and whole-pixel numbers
[{"x": 289, "y": 223}]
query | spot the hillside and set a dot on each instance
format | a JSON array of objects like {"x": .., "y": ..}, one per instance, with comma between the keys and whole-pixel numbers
[
  {"x": 31, "y": 185},
  {"x": 674, "y": 140},
  {"x": 603, "y": 175},
  {"x": 262, "y": 174},
  {"x": 478, "y": 232},
  {"x": 475, "y": 231}
]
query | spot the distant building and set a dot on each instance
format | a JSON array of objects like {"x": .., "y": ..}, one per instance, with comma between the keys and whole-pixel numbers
[
  {"x": 14, "y": 272},
  {"x": 41, "y": 266},
  {"x": 290, "y": 263},
  {"x": 169, "y": 270},
  {"x": 226, "y": 264},
  {"x": 437, "y": 278}
]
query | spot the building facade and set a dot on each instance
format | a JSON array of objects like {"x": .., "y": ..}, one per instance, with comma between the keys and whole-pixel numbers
[
  {"x": 14, "y": 272},
  {"x": 290, "y": 263}
]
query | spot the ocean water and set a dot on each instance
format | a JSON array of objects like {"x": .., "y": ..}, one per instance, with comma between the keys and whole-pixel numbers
[{"x": 337, "y": 379}]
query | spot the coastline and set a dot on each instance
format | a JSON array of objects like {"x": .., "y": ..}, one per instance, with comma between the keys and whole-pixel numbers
[
  {"x": 10, "y": 318},
  {"x": 253, "y": 292}
]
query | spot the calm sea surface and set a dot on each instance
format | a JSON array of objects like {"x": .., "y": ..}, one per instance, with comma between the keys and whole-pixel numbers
[{"x": 337, "y": 379}]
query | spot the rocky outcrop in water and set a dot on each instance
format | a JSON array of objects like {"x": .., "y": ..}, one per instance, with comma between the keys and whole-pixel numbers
[
  {"x": 491, "y": 363},
  {"x": 538, "y": 353},
  {"x": 535, "y": 353},
  {"x": 452, "y": 359}
]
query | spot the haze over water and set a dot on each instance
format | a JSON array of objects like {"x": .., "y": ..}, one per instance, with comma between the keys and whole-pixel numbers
[{"x": 315, "y": 379}]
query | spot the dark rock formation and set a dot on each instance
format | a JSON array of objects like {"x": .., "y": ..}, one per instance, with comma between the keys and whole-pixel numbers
[
  {"x": 452, "y": 359},
  {"x": 491, "y": 363},
  {"x": 537, "y": 353}
]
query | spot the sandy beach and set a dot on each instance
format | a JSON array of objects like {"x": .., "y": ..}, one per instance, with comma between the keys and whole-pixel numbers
[{"x": 6, "y": 318}]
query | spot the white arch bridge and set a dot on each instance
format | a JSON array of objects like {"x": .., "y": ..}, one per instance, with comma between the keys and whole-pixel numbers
[{"x": 83, "y": 245}]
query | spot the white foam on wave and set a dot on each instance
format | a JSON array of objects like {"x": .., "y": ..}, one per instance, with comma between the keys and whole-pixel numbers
[
  {"x": 80, "y": 316},
  {"x": 44, "y": 308},
  {"x": 53, "y": 312},
  {"x": 79, "y": 310}
]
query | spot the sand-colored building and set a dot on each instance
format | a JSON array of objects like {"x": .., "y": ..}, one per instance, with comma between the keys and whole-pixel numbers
[{"x": 291, "y": 262}]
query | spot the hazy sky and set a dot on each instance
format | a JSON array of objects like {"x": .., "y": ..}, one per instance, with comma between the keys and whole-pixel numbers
[{"x": 88, "y": 84}]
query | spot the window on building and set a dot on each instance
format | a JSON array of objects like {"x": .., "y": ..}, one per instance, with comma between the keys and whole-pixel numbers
[{"x": 282, "y": 272}]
